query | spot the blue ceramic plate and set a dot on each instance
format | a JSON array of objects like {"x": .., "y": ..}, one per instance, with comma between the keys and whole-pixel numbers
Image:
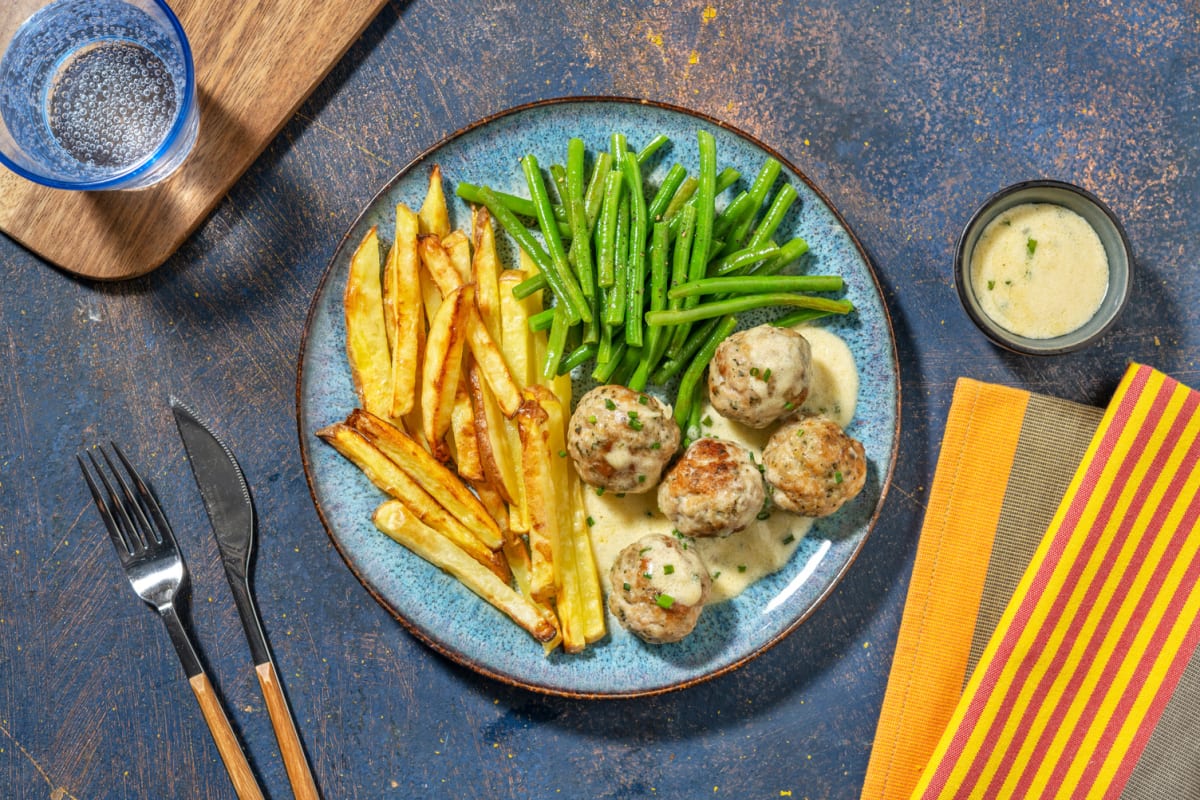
[{"x": 434, "y": 606}]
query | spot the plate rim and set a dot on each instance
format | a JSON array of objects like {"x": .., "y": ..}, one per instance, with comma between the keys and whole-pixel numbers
[{"x": 474, "y": 664}]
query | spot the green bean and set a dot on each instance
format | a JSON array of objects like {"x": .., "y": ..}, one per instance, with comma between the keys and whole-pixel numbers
[
  {"x": 514, "y": 203},
  {"x": 559, "y": 173},
  {"x": 656, "y": 338},
  {"x": 796, "y": 317},
  {"x": 763, "y": 181},
  {"x": 617, "y": 146},
  {"x": 581, "y": 244},
  {"x": 651, "y": 148},
  {"x": 676, "y": 363},
  {"x": 595, "y": 190},
  {"x": 607, "y": 226},
  {"x": 635, "y": 290},
  {"x": 628, "y": 363},
  {"x": 666, "y": 190},
  {"x": 690, "y": 381},
  {"x": 779, "y": 206},
  {"x": 534, "y": 283},
  {"x": 733, "y": 213},
  {"x": 739, "y": 260},
  {"x": 674, "y": 337},
  {"x": 614, "y": 308},
  {"x": 788, "y": 252},
  {"x": 570, "y": 295},
  {"x": 758, "y": 284},
  {"x": 578, "y": 356},
  {"x": 556, "y": 342},
  {"x": 682, "y": 196},
  {"x": 736, "y": 305},
  {"x": 702, "y": 238},
  {"x": 604, "y": 369},
  {"x": 541, "y": 320}
]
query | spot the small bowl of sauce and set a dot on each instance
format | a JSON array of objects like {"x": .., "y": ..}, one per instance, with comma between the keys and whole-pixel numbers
[{"x": 1043, "y": 267}]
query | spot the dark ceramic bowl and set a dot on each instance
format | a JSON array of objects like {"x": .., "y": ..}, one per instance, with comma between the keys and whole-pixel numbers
[{"x": 1107, "y": 227}]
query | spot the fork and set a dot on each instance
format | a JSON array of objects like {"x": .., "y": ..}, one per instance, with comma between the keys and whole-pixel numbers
[{"x": 147, "y": 549}]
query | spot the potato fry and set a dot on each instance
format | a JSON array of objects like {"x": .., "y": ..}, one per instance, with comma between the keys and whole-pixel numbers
[
  {"x": 442, "y": 367},
  {"x": 394, "y": 519},
  {"x": 515, "y": 336},
  {"x": 405, "y": 316},
  {"x": 464, "y": 435},
  {"x": 541, "y": 496},
  {"x": 495, "y": 455},
  {"x": 485, "y": 271},
  {"x": 366, "y": 333},
  {"x": 435, "y": 258},
  {"x": 433, "y": 215},
  {"x": 494, "y": 504},
  {"x": 595, "y": 626},
  {"x": 442, "y": 484},
  {"x": 458, "y": 247},
  {"x": 492, "y": 364},
  {"x": 388, "y": 476}
]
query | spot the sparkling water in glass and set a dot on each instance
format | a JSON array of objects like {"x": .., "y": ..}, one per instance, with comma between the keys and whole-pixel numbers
[{"x": 95, "y": 94}]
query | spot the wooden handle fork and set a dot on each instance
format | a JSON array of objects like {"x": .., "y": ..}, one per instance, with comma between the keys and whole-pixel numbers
[
  {"x": 244, "y": 782},
  {"x": 299, "y": 774}
]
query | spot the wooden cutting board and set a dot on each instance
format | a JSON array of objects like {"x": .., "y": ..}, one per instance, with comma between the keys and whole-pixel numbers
[{"x": 256, "y": 62}]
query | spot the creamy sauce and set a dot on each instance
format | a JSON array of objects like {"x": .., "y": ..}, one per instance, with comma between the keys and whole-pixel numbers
[
  {"x": 738, "y": 560},
  {"x": 1039, "y": 270}
]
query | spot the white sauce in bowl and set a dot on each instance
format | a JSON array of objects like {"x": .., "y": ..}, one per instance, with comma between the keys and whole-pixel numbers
[
  {"x": 1039, "y": 270},
  {"x": 738, "y": 560}
]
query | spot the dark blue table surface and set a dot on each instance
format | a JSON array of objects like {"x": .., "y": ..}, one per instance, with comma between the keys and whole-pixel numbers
[{"x": 906, "y": 114}]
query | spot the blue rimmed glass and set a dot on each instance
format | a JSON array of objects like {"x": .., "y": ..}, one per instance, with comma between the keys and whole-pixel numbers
[{"x": 95, "y": 94}]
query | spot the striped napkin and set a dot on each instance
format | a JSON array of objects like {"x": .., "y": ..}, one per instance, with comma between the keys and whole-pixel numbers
[{"x": 1053, "y": 609}]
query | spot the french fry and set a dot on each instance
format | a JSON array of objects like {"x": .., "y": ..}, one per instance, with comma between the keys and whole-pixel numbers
[
  {"x": 366, "y": 333},
  {"x": 464, "y": 435},
  {"x": 458, "y": 247},
  {"x": 406, "y": 315},
  {"x": 541, "y": 496},
  {"x": 592, "y": 596},
  {"x": 494, "y": 504},
  {"x": 442, "y": 366},
  {"x": 433, "y": 215},
  {"x": 387, "y": 475},
  {"x": 485, "y": 271},
  {"x": 495, "y": 455},
  {"x": 492, "y": 364},
  {"x": 394, "y": 519},
  {"x": 435, "y": 258},
  {"x": 442, "y": 484},
  {"x": 515, "y": 336}
]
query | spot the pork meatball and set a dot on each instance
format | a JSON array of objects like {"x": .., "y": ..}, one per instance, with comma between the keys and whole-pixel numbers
[
  {"x": 813, "y": 467},
  {"x": 659, "y": 588},
  {"x": 714, "y": 489},
  {"x": 621, "y": 440},
  {"x": 760, "y": 375}
]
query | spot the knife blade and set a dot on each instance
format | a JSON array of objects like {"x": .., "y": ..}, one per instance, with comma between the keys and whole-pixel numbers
[{"x": 227, "y": 499}]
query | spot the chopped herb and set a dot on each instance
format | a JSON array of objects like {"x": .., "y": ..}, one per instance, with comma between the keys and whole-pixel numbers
[
  {"x": 635, "y": 423},
  {"x": 706, "y": 422},
  {"x": 991, "y": 285},
  {"x": 592, "y": 419},
  {"x": 562, "y": 453},
  {"x": 789, "y": 539},
  {"x": 1031, "y": 245},
  {"x": 741, "y": 567},
  {"x": 716, "y": 575},
  {"x": 647, "y": 575},
  {"x": 591, "y": 521},
  {"x": 609, "y": 404},
  {"x": 788, "y": 406},
  {"x": 767, "y": 374},
  {"x": 764, "y": 515},
  {"x": 643, "y": 551},
  {"x": 627, "y": 587},
  {"x": 669, "y": 569},
  {"x": 656, "y": 446},
  {"x": 754, "y": 371},
  {"x": 837, "y": 476},
  {"x": 643, "y": 399},
  {"x": 599, "y": 491},
  {"x": 665, "y": 601},
  {"x": 633, "y": 415},
  {"x": 641, "y": 478}
]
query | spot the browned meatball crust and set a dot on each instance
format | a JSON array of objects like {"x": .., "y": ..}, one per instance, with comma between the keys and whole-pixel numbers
[
  {"x": 760, "y": 375},
  {"x": 813, "y": 467},
  {"x": 620, "y": 439},
  {"x": 659, "y": 588},
  {"x": 714, "y": 489}
]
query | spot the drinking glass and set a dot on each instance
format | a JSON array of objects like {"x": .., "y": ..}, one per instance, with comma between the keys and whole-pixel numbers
[{"x": 95, "y": 94}]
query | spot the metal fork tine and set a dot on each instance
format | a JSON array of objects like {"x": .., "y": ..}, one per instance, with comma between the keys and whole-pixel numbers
[
  {"x": 106, "y": 514},
  {"x": 147, "y": 504},
  {"x": 138, "y": 529}
]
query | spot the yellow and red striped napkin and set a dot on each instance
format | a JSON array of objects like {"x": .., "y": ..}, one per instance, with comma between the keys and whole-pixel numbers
[{"x": 1054, "y": 604}]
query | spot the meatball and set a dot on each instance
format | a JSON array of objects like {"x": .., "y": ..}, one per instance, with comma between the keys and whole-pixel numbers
[
  {"x": 714, "y": 489},
  {"x": 659, "y": 587},
  {"x": 760, "y": 375},
  {"x": 620, "y": 439},
  {"x": 813, "y": 467}
]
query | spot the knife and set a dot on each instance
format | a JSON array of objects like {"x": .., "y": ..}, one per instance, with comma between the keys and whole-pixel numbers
[{"x": 230, "y": 508}]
